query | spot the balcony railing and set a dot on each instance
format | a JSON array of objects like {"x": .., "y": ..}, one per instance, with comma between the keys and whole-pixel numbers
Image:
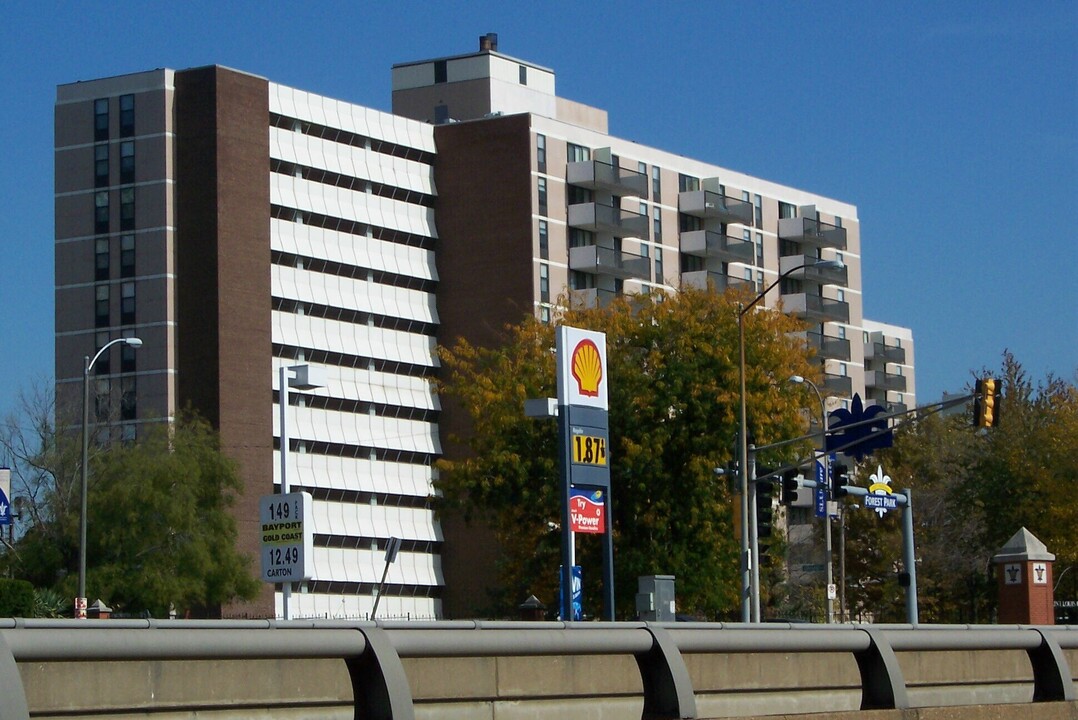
[
  {"x": 838, "y": 384},
  {"x": 598, "y": 260},
  {"x": 813, "y": 273},
  {"x": 728, "y": 248},
  {"x": 712, "y": 205},
  {"x": 703, "y": 279},
  {"x": 817, "y": 308},
  {"x": 885, "y": 352},
  {"x": 810, "y": 231},
  {"x": 599, "y": 175},
  {"x": 588, "y": 298},
  {"x": 827, "y": 347},
  {"x": 607, "y": 219},
  {"x": 885, "y": 381}
]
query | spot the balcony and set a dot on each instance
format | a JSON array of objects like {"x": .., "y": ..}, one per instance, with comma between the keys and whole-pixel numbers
[
  {"x": 598, "y": 260},
  {"x": 705, "y": 243},
  {"x": 811, "y": 273},
  {"x": 881, "y": 380},
  {"x": 810, "y": 231},
  {"x": 599, "y": 175},
  {"x": 713, "y": 206},
  {"x": 884, "y": 352},
  {"x": 838, "y": 384},
  {"x": 816, "y": 308},
  {"x": 702, "y": 279},
  {"x": 827, "y": 347},
  {"x": 609, "y": 220},
  {"x": 588, "y": 298}
]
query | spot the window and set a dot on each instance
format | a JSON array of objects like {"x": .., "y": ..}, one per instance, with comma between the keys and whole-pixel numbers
[
  {"x": 577, "y": 195},
  {"x": 127, "y": 354},
  {"x": 101, "y": 339},
  {"x": 578, "y": 153},
  {"x": 544, "y": 240},
  {"x": 540, "y": 152},
  {"x": 101, "y": 259},
  {"x": 842, "y": 332},
  {"x": 441, "y": 72},
  {"x": 523, "y": 75},
  {"x": 101, "y": 165},
  {"x": 659, "y": 277},
  {"x": 689, "y": 223},
  {"x": 101, "y": 305},
  {"x": 787, "y": 210},
  {"x": 441, "y": 114},
  {"x": 759, "y": 280},
  {"x": 101, "y": 211},
  {"x": 127, "y": 398},
  {"x": 101, "y": 119},
  {"x": 580, "y": 238},
  {"x": 759, "y": 249},
  {"x": 127, "y": 303},
  {"x": 657, "y": 224},
  {"x": 842, "y": 369},
  {"x": 841, "y": 295},
  {"x": 656, "y": 187},
  {"x": 542, "y": 196},
  {"x": 127, "y": 255},
  {"x": 102, "y": 391},
  {"x": 544, "y": 282},
  {"x": 127, "y": 208},
  {"x": 127, "y": 115},
  {"x": 745, "y": 196},
  {"x": 838, "y": 222},
  {"x": 127, "y": 162},
  {"x": 758, "y": 202},
  {"x": 544, "y": 315},
  {"x": 687, "y": 183}
]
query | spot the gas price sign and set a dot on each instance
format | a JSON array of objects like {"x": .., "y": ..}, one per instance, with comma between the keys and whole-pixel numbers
[{"x": 287, "y": 533}]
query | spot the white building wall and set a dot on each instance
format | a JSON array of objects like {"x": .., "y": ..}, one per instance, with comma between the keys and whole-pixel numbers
[{"x": 363, "y": 309}]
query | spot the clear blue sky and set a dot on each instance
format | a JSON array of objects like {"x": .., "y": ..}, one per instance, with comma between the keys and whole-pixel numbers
[{"x": 951, "y": 126}]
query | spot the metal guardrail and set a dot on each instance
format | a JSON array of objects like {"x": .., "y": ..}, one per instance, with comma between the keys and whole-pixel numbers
[{"x": 373, "y": 652}]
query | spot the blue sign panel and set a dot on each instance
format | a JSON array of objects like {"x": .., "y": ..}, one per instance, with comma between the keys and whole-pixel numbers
[
  {"x": 821, "y": 490},
  {"x": 578, "y": 593},
  {"x": 5, "y": 496}
]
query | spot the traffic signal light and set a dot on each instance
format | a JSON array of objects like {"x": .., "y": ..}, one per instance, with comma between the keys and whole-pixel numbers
[
  {"x": 839, "y": 479},
  {"x": 986, "y": 403},
  {"x": 764, "y": 510},
  {"x": 789, "y": 487}
]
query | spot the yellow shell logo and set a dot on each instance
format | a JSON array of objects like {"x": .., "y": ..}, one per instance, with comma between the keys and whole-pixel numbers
[{"x": 587, "y": 368}]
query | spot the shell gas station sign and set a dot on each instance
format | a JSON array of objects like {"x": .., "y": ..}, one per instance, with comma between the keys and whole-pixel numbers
[
  {"x": 582, "y": 376},
  {"x": 584, "y": 440}
]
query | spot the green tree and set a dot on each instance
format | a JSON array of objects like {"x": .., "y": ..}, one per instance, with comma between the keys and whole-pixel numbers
[
  {"x": 159, "y": 533},
  {"x": 974, "y": 489},
  {"x": 673, "y": 371}
]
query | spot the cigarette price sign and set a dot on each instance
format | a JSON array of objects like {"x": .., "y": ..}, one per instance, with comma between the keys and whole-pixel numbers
[{"x": 287, "y": 537}]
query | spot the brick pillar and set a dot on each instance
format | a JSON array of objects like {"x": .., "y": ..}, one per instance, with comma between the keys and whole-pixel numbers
[{"x": 1025, "y": 581}]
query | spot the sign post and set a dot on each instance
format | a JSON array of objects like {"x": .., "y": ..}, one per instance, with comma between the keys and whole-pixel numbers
[{"x": 584, "y": 440}]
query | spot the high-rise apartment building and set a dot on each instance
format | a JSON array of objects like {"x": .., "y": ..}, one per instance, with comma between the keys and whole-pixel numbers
[{"x": 237, "y": 226}]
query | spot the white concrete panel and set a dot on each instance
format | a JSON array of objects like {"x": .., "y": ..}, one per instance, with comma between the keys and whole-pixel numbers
[{"x": 344, "y": 292}]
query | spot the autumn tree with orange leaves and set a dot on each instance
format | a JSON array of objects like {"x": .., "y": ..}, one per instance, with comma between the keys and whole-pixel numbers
[{"x": 673, "y": 390}]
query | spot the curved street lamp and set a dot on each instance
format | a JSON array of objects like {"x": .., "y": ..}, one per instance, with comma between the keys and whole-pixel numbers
[
  {"x": 80, "y": 601},
  {"x": 750, "y": 591}
]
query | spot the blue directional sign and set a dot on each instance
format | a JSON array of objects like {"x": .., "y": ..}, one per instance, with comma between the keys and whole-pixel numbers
[
  {"x": 821, "y": 490},
  {"x": 5, "y": 496}
]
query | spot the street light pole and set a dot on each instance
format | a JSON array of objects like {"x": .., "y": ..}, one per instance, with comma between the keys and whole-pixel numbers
[
  {"x": 827, "y": 489},
  {"x": 749, "y": 592},
  {"x": 80, "y": 601}
]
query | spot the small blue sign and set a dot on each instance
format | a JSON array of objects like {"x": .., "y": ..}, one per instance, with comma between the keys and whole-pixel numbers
[
  {"x": 578, "y": 592},
  {"x": 5, "y": 492},
  {"x": 821, "y": 490}
]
